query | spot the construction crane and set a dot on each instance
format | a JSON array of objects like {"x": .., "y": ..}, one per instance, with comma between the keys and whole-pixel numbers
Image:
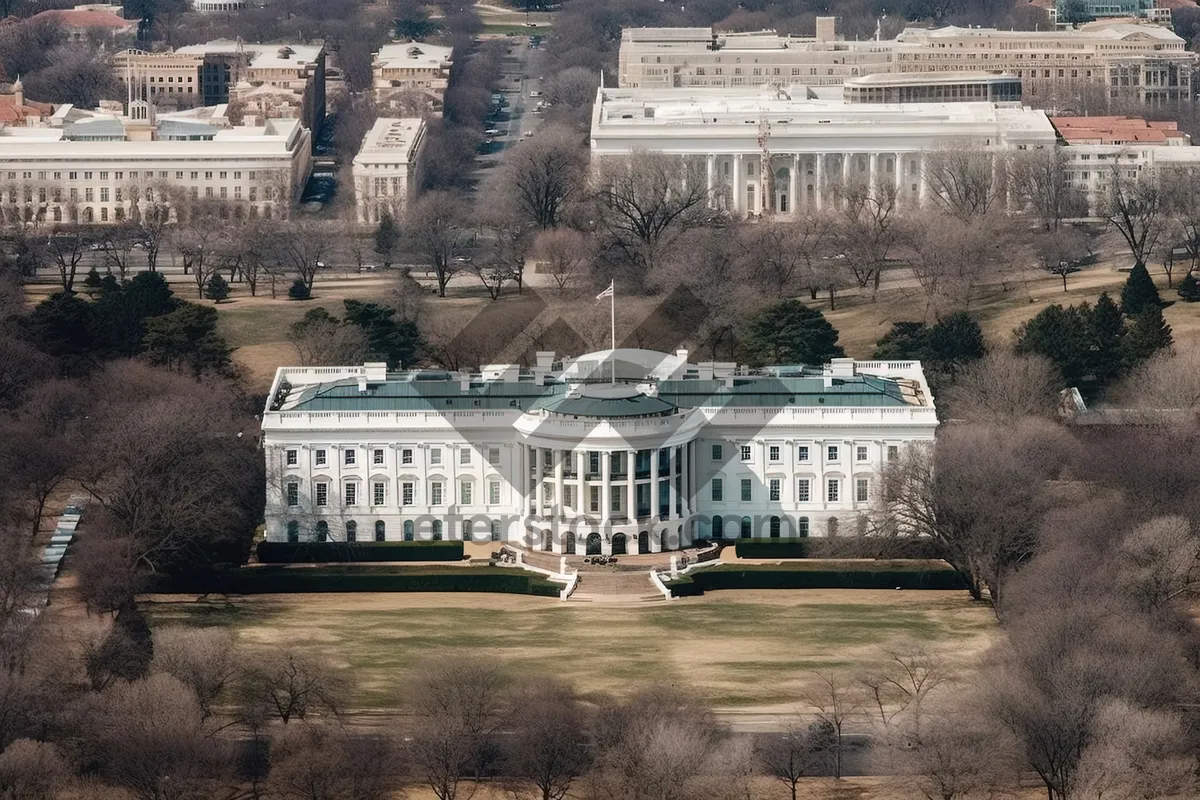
[{"x": 766, "y": 174}]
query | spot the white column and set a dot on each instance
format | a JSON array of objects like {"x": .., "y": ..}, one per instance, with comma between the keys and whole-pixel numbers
[
  {"x": 898, "y": 165},
  {"x": 581, "y": 498},
  {"x": 793, "y": 186},
  {"x": 872, "y": 173},
  {"x": 818, "y": 188},
  {"x": 559, "y": 483},
  {"x": 922, "y": 185},
  {"x": 540, "y": 488},
  {"x": 631, "y": 485},
  {"x": 606, "y": 491},
  {"x": 710, "y": 168},
  {"x": 737, "y": 206},
  {"x": 845, "y": 170}
]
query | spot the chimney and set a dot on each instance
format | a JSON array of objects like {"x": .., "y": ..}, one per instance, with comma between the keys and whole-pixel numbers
[
  {"x": 826, "y": 29},
  {"x": 840, "y": 368},
  {"x": 18, "y": 93}
]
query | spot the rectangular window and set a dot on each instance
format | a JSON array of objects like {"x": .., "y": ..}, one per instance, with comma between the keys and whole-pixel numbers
[
  {"x": 803, "y": 453},
  {"x": 464, "y": 493},
  {"x": 88, "y": 195},
  {"x": 377, "y": 456},
  {"x": 832, "y": 492},
  {"x": 351, "y": 494},
  {"x": 464, "y": 455},
  {"x": 293, "y": 457},
  {"x": 615, "y": 498},
  {"x": 547, "y": 460},
  {"x": 320, "y": 458},
  {"x": 831, "y": 453},
  {"x": 716, "y": 452},
  {"x": 569, "y": 496},
  {"x": 893, "y": 452},
  {"x": 860, "y": 453},
  {"x": 745, "y": 452},
  {"x": 803, "y": 491},
  {"x": 594, "y": 499},
  {"x": 494, "y": 492},
  {"x": 293, "y": 494},
  {"x": 746, "y": 490},
  {"x": 593, "y": 463},
  {"x": 773, "y": 453},
  {"x": 494, "y": 456},
  {"x": 406, "y": 493},
  {"x": 406, "y": 456},
  {"x": 435, "y": 493},
  {"x": 103, "y": 194},
  {"x": 862, "y": 490},
  {"x": 322, "y": 494},
  {"x": 718, "y": 490},
  {"x": 774, "y": 490},
  {"x": 378, "y": 493},
  {"x": 351, "y": 457},
  {"x": 435, "y": 456}
]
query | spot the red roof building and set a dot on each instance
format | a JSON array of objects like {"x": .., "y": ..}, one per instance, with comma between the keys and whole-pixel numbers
[{"x": 1118, "y": 130}]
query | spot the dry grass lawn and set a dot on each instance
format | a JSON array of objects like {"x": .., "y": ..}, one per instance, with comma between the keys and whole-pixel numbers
[{"x": 752, "y": 652}]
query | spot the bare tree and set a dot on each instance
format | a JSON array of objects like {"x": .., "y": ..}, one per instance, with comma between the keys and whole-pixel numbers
[
  {"x": 791, "y": 755},
  {"x": 436, "y": 229},
  {"x": 960, "y": 753},
  {"x": 323, "y": 340},
  {"x": 565, "y": 255},
  {"x": 783, "y": 256},
  {"x": 1040, "y": 181},
  {"x": 1136, "y": 206},
  {"x": 835, "y": 702},
  {"x": 457, "y": 714},
  {"x": 1138, "y": 753},
  {"x": 1167, "y": 382},
  {"x": 952, "y": 254},
  {"x": 1004, "y": 388},
  {"x": 321, "y": 762},
  {"x": 546, "y": 749},
  {"x": 1160, "y": 562},
  {"x": 32, "y": 770},
  {"x": 901, "y": 685},
  {"x": 300, "y": 249},
  {"x": 865, "y": 229},
  {"x": 1060, "y": 251},
  {"x": 200, "y": 658},
  {"x": 965, "y": 181},
  {"x": 67, "y": 246},
  {"x": 288, "y": 685},
  {"x": 645, "y": 202},
  {"x": 118, "y": 243},
  {"x": 543, "y": 174}
]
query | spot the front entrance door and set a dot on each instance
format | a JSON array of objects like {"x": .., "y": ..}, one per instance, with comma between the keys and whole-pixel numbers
[
  {"x": 569, "y": 543},
  {"x": 593, "y": 544},
  {"x": 643, "y": 542},
  {"x": 618, "y": 547}
]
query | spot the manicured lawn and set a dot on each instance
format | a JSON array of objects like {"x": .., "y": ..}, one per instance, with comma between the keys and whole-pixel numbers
[{"x": 744, "y": 649}]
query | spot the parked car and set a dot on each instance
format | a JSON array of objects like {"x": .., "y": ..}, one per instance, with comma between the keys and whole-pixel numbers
[
  {"x": 463, "y": 259},
  {"x": 492, "y": 132},
  {"x": 535, "y": 93}
]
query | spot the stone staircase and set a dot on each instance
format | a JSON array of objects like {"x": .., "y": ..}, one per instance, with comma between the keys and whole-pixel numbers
[{"x": 615, "y": 587}]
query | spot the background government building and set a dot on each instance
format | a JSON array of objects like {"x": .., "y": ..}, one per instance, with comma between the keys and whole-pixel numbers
[{"x": 615, "y": 452}]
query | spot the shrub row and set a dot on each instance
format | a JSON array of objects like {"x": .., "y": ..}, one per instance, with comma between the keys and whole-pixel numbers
[
  {"x": 838, "y": 547},
  {"x": 289, "y": 580},
  {"x": 820, "y": 575},
  {"x": 332, "y": 552}
]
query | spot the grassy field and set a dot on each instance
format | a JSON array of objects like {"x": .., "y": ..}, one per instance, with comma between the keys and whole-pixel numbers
[{"x": 722, "y": 645}]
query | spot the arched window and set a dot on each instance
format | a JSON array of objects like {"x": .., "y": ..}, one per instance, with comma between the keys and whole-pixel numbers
[
  {"x": 408, "y": 530},
  {"x": 437, "y": 530},
  {"x": 322, "y": 531},
  {"x": 495, "y": 530},
  {"x": 747, "y": 527},
  {"x": 351, "y": 531},
  {"x": 802, "y": 526},
  {"x": 774, "y": 527},
  {"x": 293, "y": 531},
  {"x": 380, "y": 530}
]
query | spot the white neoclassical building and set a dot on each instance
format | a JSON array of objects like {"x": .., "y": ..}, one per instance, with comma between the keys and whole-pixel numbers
[
  {"x": 812, "y": 144},
  {"x": 386, "y": 168},
  {"x": 615, "y": 452}
]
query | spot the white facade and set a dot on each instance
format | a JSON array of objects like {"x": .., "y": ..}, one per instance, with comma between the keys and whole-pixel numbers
[
  {"x": 812, "y": 145},
  {"x": 562, "y": 458},
  {"x": 105, "y": 167},
  {"x": 411, "y": 67},
  {"x": 385, "y": 168}
]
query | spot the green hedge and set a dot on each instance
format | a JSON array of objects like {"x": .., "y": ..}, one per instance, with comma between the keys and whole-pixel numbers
[
  {"x": 838, "y": 547},
  {"x": 820, "y": 575},
  {"x": 331, "y": 552},
  {"x": 289, "y": 580}
]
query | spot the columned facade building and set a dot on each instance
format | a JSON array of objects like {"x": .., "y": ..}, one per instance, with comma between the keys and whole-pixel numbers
[
  {"x": 615, "y": 452},
  {"x": 813, "y": 147}
]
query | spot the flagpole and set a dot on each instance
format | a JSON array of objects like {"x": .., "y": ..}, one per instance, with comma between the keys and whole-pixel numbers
[{"x": 612, "y": 297}]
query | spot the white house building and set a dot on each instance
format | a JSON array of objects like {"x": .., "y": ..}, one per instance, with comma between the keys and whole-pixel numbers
[
  {"x": 614, "y": 452},
  {"x": 812, "y": 143},
  {"x": 385, "y": 170}
]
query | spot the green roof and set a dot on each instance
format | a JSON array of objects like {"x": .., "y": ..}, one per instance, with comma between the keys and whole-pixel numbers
[{"x": 437, "y": 392}]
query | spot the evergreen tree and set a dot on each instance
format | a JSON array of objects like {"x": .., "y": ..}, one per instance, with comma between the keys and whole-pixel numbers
[
  {"x": 1107, "y": 332},
  {"x": 91, "y": 284},
  {"x": 217, "y": 288},
  {"x": 954, "y": 342},
  {"x": 61, "y": 325},
  {"x": 1139, "y": 292},
  {"x": 1189, "y": 289},
  {"x": 1148, "y": 334},
  {"x": 387, "y": 238},
  {"x": 906, "y": 341},
  {"x": 299, "y": 290},
  {"x": 789, "y": 332},
  {"x": 122, "y": 312},
  {"x": 187, "y": 340},
  {"x": 1062, "y": 335},
  {"x": 391, "y": 340}
]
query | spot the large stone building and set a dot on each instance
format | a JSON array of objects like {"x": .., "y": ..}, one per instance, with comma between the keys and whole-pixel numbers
[
  {"x": 617, "y": 451},
  {"x": 405, "y": 71},
  {"x": 385, "y": 170},
  {"x": 105, "y": 166},
  {"x": 1143, "y": 62},
  {"x": 811, "y": 145}
]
